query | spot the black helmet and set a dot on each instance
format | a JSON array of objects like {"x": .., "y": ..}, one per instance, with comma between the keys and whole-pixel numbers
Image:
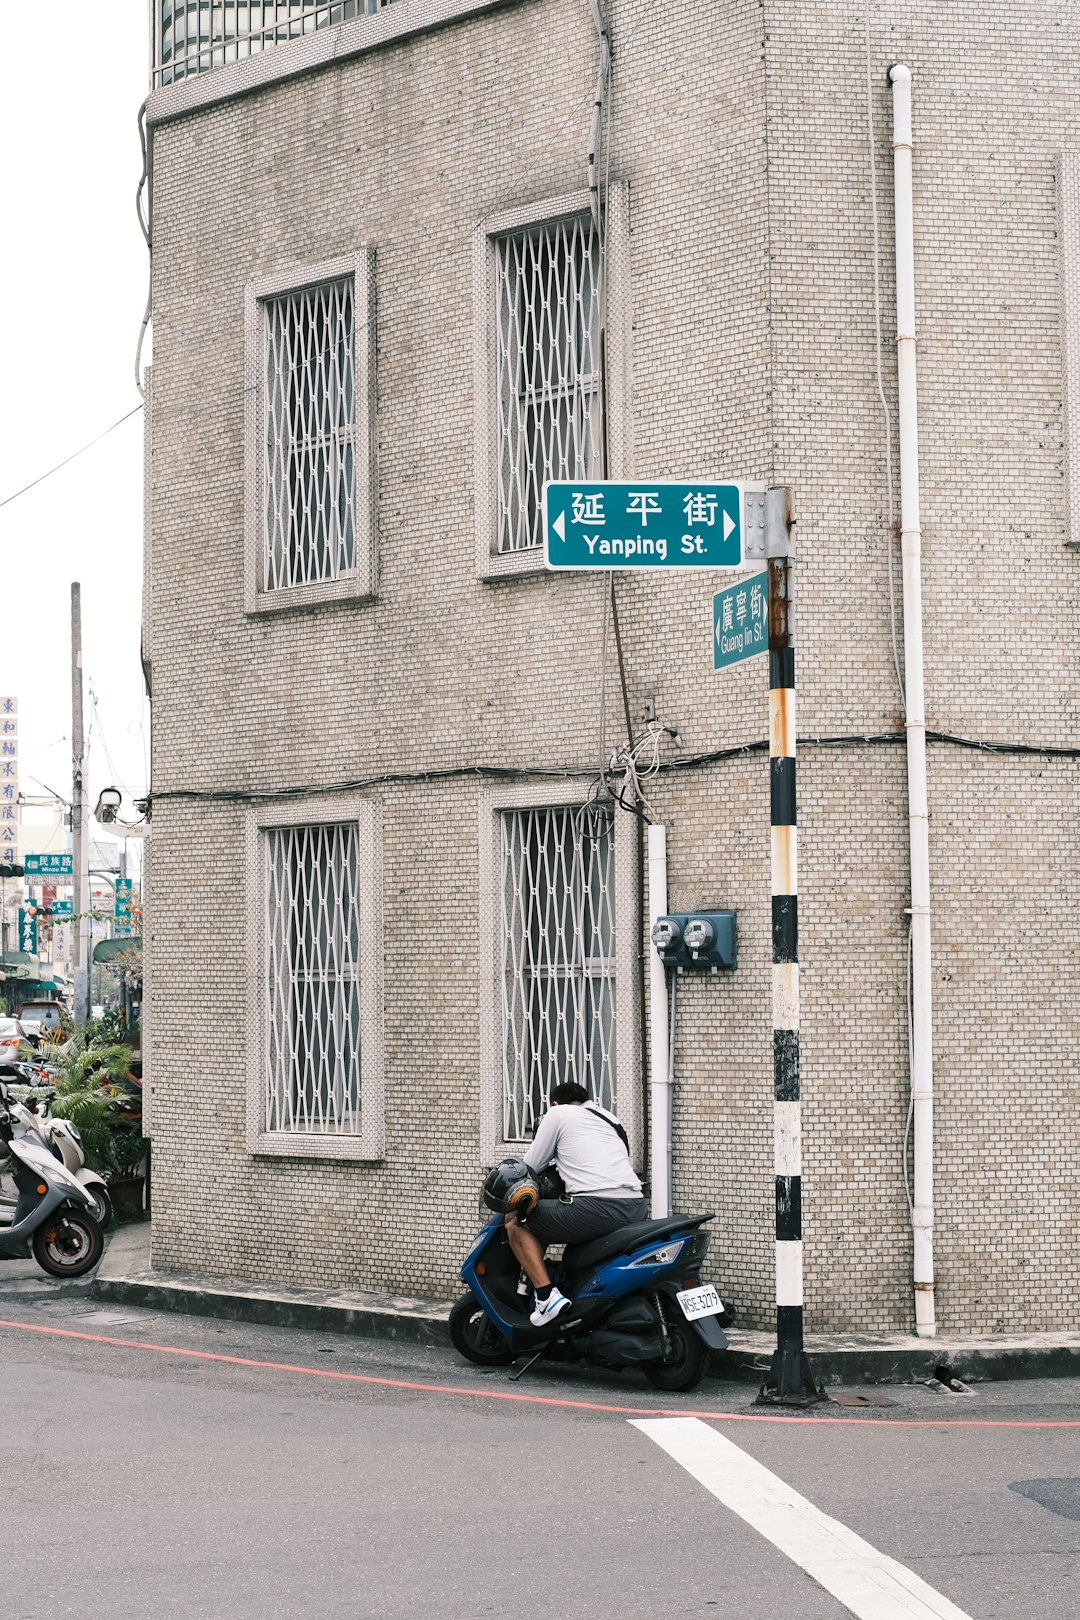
[{"x": 511, "y": 1188}]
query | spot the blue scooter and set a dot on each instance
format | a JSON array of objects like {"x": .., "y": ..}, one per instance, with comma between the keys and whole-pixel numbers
[{"x": 638, "y": 1301}]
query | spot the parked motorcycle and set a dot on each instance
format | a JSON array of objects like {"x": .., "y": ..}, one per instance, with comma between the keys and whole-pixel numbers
[
  {"x": 34, "y": 1119},
  {"x": 52, "y": 1218},
  {"x": 638, "y": 1301}
]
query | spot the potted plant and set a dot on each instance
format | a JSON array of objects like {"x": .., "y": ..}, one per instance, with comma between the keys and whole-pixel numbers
[{"x": 126, "y": 1172}]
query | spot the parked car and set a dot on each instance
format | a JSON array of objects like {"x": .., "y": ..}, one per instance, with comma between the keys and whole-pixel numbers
[
  {"x": 50, "y": 1016},
  {"x": 13, "y": 1034}
]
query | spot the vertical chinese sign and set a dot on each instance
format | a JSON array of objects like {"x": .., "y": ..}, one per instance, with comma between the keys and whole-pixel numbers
[
  {"x": 9, "y": 781},
  {"x": 122, "y": 908}
]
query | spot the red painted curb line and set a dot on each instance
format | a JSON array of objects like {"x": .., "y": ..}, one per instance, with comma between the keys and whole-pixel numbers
[{"x": 541, "y": 1400}]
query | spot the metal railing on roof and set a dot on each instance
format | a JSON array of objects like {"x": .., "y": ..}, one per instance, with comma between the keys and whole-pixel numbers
[{"x": 196, "y": 36}]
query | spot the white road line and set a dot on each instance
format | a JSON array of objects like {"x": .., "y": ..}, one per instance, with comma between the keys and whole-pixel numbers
[{"x": 862, "y": 1579}]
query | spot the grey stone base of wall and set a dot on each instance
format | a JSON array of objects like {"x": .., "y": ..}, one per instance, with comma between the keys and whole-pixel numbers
[{"x": 835, "y": 1358}]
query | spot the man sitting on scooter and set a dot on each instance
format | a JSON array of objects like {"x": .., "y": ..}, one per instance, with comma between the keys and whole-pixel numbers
[{"x": 592, "y": 1156}]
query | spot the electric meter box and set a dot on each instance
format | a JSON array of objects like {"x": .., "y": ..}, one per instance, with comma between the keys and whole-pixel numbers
[{"x": 696, "y": 941}]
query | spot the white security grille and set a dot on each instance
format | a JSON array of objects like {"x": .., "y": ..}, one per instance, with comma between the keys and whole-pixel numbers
[
  {"x": 309, "y": 468},
  {"x": 558, "y": 933},
  {"x": 195, "y": 36},
  {"x": 548, "y": 359},
  {"x": 313, "y": 988}
]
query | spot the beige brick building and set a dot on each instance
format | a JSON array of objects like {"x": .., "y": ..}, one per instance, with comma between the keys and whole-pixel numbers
[{"x": 379, "y": 722}]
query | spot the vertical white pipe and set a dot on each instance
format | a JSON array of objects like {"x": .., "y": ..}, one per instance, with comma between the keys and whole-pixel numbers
[
  {"x": 922, "y": 1053},
  {"x": 660, "y": 1078}
]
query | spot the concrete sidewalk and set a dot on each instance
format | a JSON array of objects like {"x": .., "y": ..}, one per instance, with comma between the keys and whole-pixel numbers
[
  {"x": 126, "y": 1276},
  {"x": 126, "y": 1248}
]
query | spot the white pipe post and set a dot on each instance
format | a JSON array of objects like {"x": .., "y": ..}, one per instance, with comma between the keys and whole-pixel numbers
[
  {"x": 922, "y": 1052},
  {"x": 660, "y": 1076}
]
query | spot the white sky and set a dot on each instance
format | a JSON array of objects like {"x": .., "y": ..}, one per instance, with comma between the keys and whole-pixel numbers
[{"x": 73, "y": 284}]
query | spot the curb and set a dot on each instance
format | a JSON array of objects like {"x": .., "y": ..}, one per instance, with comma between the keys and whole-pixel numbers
[
  {"x": 889, "y": 1365},
  {"x": 895, "y": 1361},
  {"x": 277, "y": 1310}
]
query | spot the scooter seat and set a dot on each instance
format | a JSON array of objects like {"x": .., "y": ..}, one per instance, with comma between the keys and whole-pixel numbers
[{"x": 582, "y": 1256}]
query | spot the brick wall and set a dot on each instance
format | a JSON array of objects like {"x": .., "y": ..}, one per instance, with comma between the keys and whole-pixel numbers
[{"x": 753, "y": 354}]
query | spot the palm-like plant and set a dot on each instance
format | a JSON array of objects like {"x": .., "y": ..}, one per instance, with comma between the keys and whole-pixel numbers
[{"x": 90, "y": 1076}]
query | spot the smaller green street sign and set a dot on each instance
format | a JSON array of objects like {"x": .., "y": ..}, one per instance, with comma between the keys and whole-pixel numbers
[
  {"x": 741, "y": 621},
  {"x": 663, "y": 523},
  {"x": 44, "y": 867},
  {"x": 62, "y": 908}
]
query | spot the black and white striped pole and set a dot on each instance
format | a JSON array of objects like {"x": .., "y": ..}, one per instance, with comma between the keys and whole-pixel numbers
[{"x": 790, "y": 1380}]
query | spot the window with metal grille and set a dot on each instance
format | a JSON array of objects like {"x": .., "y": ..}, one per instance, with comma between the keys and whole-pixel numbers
[
  {"x": 310, "y": 419},
  {"x": 549, "y": 392},
  {"x": 309, "y": 435},
  {"x": 313, "y": 992},
  {"x": 195, "y": 36},
  {"x": 558, "y": 958}
]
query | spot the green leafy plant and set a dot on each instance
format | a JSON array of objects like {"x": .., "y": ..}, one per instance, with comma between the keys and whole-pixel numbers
[
  {"x": 127, "y": 1150},
  {"x": 92, "y": 1115},
  {"x": 109, "y": 1029},
  {"x": 86, "y": 1060},
  {"x": 93, "y": 1090}
]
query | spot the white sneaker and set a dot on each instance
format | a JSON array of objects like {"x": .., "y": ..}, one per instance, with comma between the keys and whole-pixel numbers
[{"x": 546, "y": 1310}]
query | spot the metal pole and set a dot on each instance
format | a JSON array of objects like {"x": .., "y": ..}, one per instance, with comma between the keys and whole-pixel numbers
[
  {"x": 790, "y": 1380},
  {"x": 123, "y": 979},
  {"x": 659, "y": 1067},
  {"x": 80, "y": 822}
]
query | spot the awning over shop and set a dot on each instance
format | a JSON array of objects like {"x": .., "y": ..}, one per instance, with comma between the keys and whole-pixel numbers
[
  {"x": 20, "y": 965},
  {"x": 106, "y": 950}
]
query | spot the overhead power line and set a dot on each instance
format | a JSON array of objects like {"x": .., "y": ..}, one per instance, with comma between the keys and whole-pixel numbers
[{"x": 89, "y": 445}]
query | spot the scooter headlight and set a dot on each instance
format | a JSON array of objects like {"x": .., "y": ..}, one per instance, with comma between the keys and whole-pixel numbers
[{"x": 661, "y": 1257}]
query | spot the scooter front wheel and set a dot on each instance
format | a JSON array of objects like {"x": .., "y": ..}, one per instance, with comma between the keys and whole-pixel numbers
[
  {"x": 475, "y": 1336},
  {"x": 69, "y": 1243}
]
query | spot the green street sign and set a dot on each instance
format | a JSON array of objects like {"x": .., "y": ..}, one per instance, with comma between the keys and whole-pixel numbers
[
  {"x": 658, "y": 524},
  {"x": 62, "y": 908},
  {"x": 741, "y": 621},
  {"x": 46, "y": 867}
]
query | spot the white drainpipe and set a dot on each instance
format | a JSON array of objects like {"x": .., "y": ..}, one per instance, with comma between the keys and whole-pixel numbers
[
  {"x": 922, "y": 1045},
  {"x": 660, "y": 1078}
]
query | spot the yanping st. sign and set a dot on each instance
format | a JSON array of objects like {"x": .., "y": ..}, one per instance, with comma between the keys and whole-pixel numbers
[{"x": 662, "y": 523}]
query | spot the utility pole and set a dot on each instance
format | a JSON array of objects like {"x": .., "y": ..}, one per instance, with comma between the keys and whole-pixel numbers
[
  {"x": 790, "y": 1380},
  {"x": 80, "y": 822}
]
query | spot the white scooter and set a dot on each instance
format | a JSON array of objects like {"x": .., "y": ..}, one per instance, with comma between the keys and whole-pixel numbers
[
  {"x": 34, "y": 1120},
  {"x": 52, "y": 1217}
]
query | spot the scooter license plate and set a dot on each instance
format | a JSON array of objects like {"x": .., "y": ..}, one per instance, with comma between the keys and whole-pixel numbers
[{"x": 699, "y": 1302}]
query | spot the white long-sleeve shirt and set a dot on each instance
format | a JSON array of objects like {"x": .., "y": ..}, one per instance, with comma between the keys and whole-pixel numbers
[{"x": 587, "y": 1150}]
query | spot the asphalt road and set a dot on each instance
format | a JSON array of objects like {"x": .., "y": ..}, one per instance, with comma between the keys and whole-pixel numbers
[{"x": 144, "y": 1481}]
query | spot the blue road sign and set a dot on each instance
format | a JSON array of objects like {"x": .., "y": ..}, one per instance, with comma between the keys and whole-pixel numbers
[
  {"x": 660, "y": 524},
  {"x": 741, "y": 621}
]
